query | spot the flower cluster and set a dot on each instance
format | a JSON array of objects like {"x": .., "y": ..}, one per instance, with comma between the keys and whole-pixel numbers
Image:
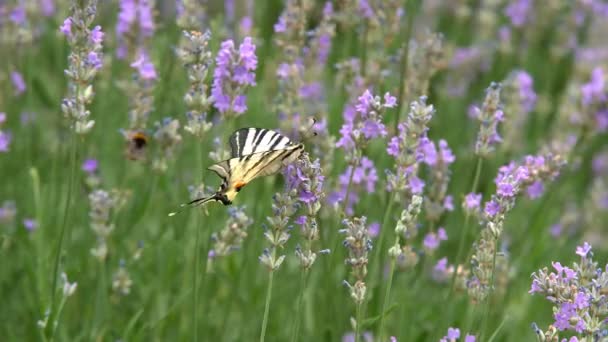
[
  {"x": 594, "y": 101},
  {"x": 102, "y": 204},
  {"x": 84, "y": 62},
  {"x": 363, "y": 122},
  {"x": 121, "y": 280},
  {"x": 233, "y": 234},
  {"x": 438, "y": 161},
  {"x": 233, "y": 74},
  {"x": 453, "y": 335},
  {"x": 407, "y": 228},
  {"x": 489, "y": 116},
  {"x": 284, "y": 206},
  {"x": 405, "y": 148},
  {"x": 358, "y": 243},
  {"x": 190, "y": 15},
  {"x": 307, "y": 177},
  {"x": 511, "y": 181},
  {"x": 519, "y": 99},
  {"x": 135, "y": 24},
  {"x": 195, "y": 55},
  {"x": 362, "y": 176},
  {"x": 578, "y": 295},
  {"x": 168, "y": 138},
  {"x": 140, "y": 89},
  {"x": 426, "y": 58}
]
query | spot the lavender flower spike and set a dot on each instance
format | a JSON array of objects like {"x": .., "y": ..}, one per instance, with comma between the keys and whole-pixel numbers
[
  {"x": 196, "y": 58},
  {"x": 234, "y": 73},
  {"x": 84, "y": 61},
  {"x": 489, "y": 116},
  {"x": 358, "y": 243}
]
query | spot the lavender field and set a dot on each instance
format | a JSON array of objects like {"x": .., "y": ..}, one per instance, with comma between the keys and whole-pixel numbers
[{"x": 453, "y": 184}]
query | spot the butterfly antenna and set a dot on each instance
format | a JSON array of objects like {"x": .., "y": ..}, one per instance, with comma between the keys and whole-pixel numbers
[{"x": 194, "y": 203}]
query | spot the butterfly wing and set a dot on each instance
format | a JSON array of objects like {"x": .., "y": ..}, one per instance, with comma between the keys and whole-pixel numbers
[
  {"x": 247, "y": 141},
  {"x": 244, "y": 169}
]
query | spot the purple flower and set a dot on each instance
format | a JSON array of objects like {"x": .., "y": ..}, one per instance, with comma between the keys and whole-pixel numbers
[
  {"x": 393, "y": 147},
  {"x": 595, "y": 88},
  {"x": 5, "y": 141},
  {"x": 518, "y": 12},
  {"x": 389, "y": 101},
  {"x": 469, "y": 338},
  {"x": 556, "y": 230},
  {"x": 472, "y": 201},
  {"x": 144, "y": 66},
  {"x": 581, "y": 300},
  {"x": 374, "y": 229},
  {"x": 567, "y": 314},
  {"x": 281, "y": 25},
  {"x": 527, "y": 94},
  {"x": 66, "y": 27},
  {"x": 583, "y": 250},
  {"x": 48, "y": 7},
  {"x": 301, "y": 220},
  {"x": 453, "y": 333},
  {"x": 94, "y": 60},
  {"x": 432, "y": 240},
  {"x": 127, "y": 14},
  {"x": 233, "y": 73},
  {"x": 146, "y": 17},
  {"x": 30, "y": 224},
  {"x": 446, "y": 153},
  {"x": 506, "y": 189},
  {"x": 245, "y": 25},
  {"x": 365, "y": 9},
  {"x": 535, "y": 287},
  {"x": 535, "y": 190},
  {"x": 18, "y": 82},
  {"x": 427, "y": 149},
  {"x": 372, "y": 129},
  {"x": 441, "y": 266},
  {"x": 90, "y": 165},
  {"x": 364, "y": 102},
  {"x": 416, "y": 185},
  {"x": 448, "y": 203},
  {"x": 492, "y": 208},
  {"x": 18, "y": 15},
  {"x": 2, "y": 117},
  {"x": 97, "y": 35}
]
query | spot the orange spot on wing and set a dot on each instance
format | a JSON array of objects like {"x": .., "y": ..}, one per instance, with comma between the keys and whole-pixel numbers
[{"x": 239, "y": 184}]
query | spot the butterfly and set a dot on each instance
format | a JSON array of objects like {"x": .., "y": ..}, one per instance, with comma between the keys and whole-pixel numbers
[{"x": 255, "y": 152}]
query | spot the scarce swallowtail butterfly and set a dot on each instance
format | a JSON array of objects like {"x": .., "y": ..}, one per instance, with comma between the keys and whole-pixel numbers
[{"x": 255, "y": 152}]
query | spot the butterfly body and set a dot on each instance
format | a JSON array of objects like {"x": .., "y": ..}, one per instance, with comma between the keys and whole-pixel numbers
[{"x": 255, "y": 152}]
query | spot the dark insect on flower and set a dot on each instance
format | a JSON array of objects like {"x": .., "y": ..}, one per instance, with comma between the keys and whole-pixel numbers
[{"x": 136, "y": 145}]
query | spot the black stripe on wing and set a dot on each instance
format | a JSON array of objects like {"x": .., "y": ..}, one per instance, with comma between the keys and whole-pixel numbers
[
  {"x": 237, "y": 141},
  {"x": 247, "y": 141}
]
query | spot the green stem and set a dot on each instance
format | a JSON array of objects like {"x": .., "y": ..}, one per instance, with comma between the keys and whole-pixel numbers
[
  {"x": 267, "y": 306},
  {"x": 358, "y": 324},
  {"x": 197, "y": 257},
  {"x": 64, "y": 227},
  {"x": 403, "y": 70},
  {"x": 387, "y": 295},
  {"x": 195, "y": 281},
  {"x": 484, "y": 325},
  {"x": 382, "y": 236},
  {"x": 296, "y": 329},
  {"x": 466, "y": 225}
]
